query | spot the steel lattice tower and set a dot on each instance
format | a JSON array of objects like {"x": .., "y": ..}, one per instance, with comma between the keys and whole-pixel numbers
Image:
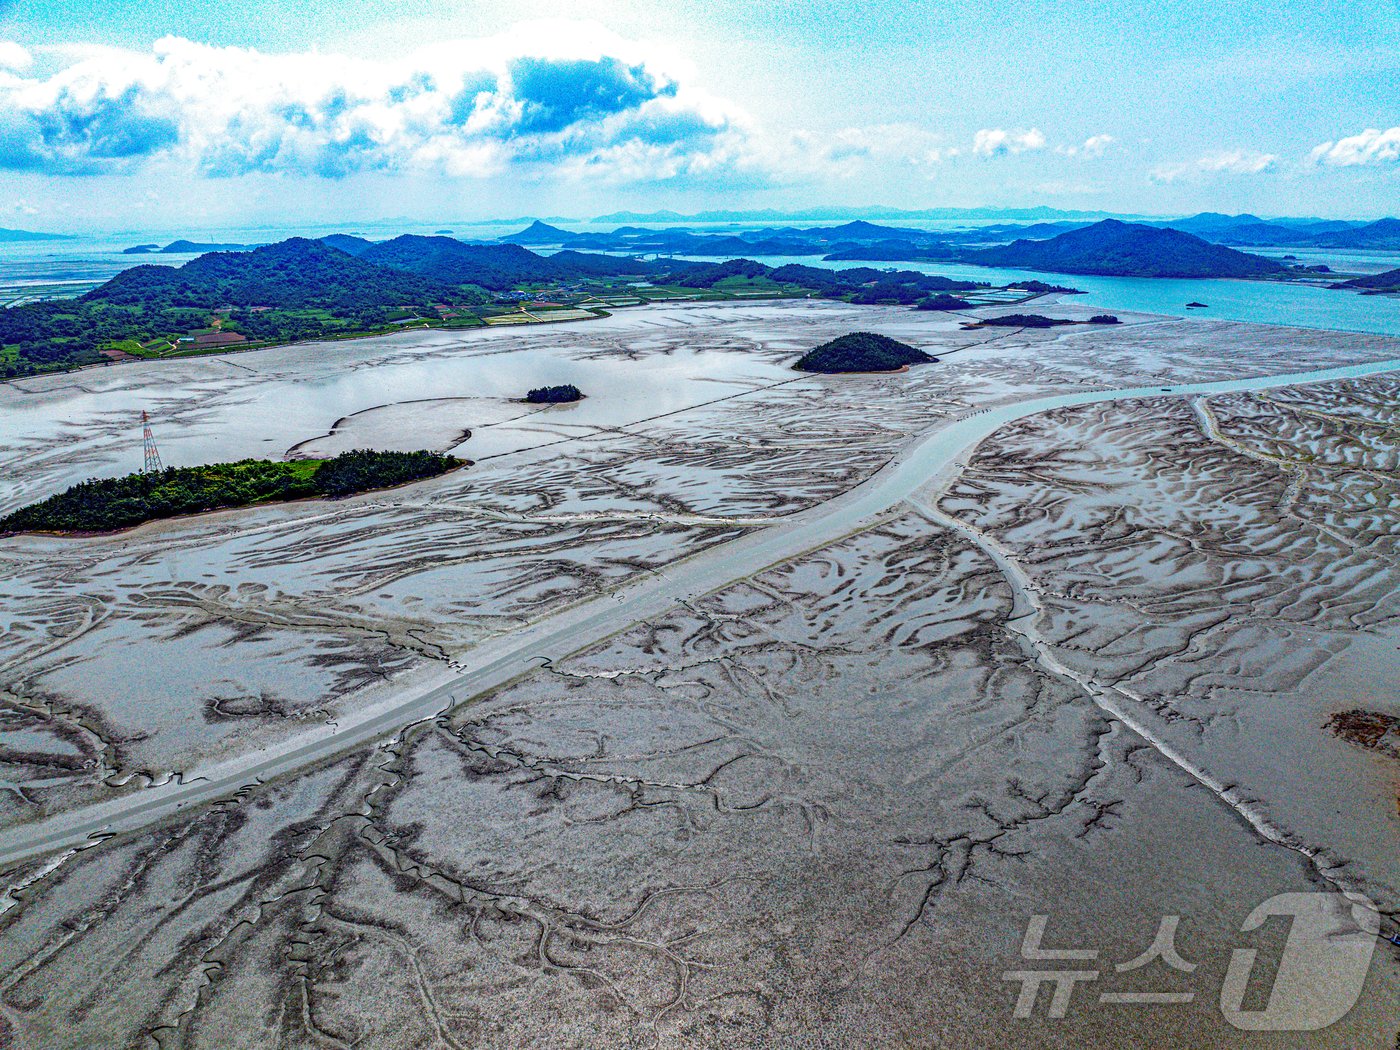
[{"x": 153, "y": 464}]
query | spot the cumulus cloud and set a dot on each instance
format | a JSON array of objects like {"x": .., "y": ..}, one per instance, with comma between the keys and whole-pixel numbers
[
  {"x": 1090, "y": 148},
  {"x": 1372, "y": 146},
  {"x": 1238, "y": 162},
  {"x": 1227, "y": 162},
  {"x": 567, "y": 98},
  {"x": 991, "y": 142},
  {"x": 1096, "y": 145},
  {"x": 12, "y": 56}
]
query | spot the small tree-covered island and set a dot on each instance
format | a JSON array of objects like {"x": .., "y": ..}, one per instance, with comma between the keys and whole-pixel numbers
[
  {"x": 108, "y": 504},
  {"x": 862, "y": 352},
  {"x": 554, "y": 395}
]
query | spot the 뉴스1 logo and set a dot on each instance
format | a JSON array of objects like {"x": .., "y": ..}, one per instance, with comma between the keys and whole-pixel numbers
[{"x": 1317, "y": 978}]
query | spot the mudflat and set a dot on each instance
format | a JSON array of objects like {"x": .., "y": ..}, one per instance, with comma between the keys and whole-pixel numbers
[{"x": 1089, "y": 669}]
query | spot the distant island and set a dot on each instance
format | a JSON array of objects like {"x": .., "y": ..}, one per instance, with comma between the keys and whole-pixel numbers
[
  {"x": 1109, "y": 247},
  {"x": 185, "y": 248},
  {"x": 868, "y": 240},
  {"x": 554, "y": 395},
  {"x": 107, "y": 504},
  {"x": 861, "y": 352},
  {"x": 1039, "y": 321},
  {"x": 1122, "y": 249},
  {"x": 1022, "y": 321},
  {"x": 16, "y": 236},
  {"x": 1250, "y": 230},
  {"x": 540, "y": 233},
  {"x": 344, "y": 285}
]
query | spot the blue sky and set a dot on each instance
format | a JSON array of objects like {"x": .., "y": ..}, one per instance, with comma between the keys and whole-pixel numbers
[{"x": 196, "y": 114}]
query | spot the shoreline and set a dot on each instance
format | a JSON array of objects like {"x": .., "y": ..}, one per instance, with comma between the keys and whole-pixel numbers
[{"x": 601, "y": 314}]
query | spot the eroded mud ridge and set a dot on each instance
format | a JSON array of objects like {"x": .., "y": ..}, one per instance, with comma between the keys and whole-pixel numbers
[
  {"x": 1230, "y": 567},
  {"x": 1090, "y": 679},
  {"x": 791, "y": 806}
]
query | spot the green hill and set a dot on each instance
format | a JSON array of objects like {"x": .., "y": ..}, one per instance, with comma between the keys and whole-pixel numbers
[
  {"x": 861, "y": 352},
  {"x": 1122, "y": 249},
  {"x": 298, "y": 289},
  {"x": 859, "y": 284},
  {"x": 347, "y": 243},
  {"x": 1376, "y": 282},
  {"x": 497, "y": 267},
  {"x": 294, "y": 274},
  {"x": 105, "y": 504}
]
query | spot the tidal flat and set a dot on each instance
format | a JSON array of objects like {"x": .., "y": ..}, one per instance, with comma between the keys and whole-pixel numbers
[{"x": 1086, "y": 671}]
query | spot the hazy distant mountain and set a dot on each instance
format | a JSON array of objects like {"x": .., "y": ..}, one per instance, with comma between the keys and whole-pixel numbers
[
  {"x": 1208, "y": 222},
  {"x": 540, "y": 233},
  {"x": 837, "y": 214},
  {"x": 1284, "y": 233},
  {"x": 655, "y": 216},
  {"x": 860, "y": 230},
  {"x": 1384, "y": 234},
  {"x": 13, "y": 236},
  {"x": 1120, "y": 249},
  {"x": 1262, "y": 233},
  {"x": 1039, "y": 231},
  {"x": 1316, "y": 225},
  {"x": 788, "y": 240}
]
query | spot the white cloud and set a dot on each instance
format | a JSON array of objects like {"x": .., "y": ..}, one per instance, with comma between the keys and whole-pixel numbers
[
  {"x": 1238, "y": 162},
  {"x": 556, "y": 97},
  {"x": 1094, "y": 146},
  {"x": 1167, "y": 173},
  {"x": 848, "y": 153},
  {"x": 990, "y": 142},
  {"x": 12, "y": 56},
  {"x": 1371, "y": 146},
  {"x": 1226, "y": 162}
]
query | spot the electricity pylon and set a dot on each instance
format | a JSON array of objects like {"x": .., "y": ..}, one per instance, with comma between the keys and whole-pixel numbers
[{"x": 153, "y": 464}]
